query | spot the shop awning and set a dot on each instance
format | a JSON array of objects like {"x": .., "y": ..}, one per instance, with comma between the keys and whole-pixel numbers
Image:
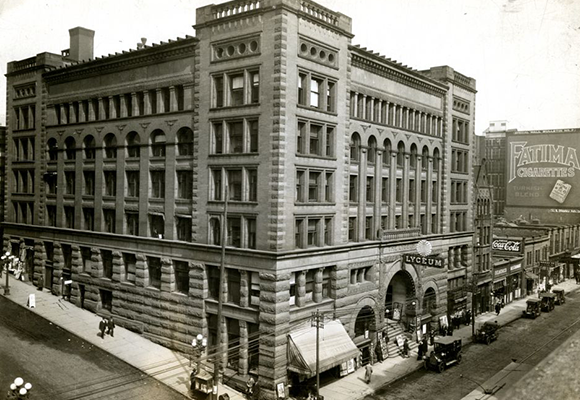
[
  {"x": 335, "y": 348},
  {"x": 531, "y": 276}
]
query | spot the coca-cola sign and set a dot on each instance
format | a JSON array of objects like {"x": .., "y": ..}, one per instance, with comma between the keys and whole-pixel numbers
[{"x": 513, "y": 246}]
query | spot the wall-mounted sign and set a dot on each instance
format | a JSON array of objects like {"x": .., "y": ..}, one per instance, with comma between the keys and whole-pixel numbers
[
  {"x": 431, "y": 261},
  {"x": 500, "y": 271},
  {"x": 514, "y": 267},
  {"x": 513, "y": 246}
]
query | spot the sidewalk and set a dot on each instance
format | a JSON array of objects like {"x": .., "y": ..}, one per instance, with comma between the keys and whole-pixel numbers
[
  {"x": 167, "y": 366},
  {"x": 353, "y": 386}
]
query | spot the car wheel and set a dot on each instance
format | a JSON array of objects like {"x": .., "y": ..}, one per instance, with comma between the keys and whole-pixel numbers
[
  {"x": 441, "y": 367},
  {"x": 426, "y": 365},
  {"x": 458, "y": 358},
  {"x": 487, "y": 340}
]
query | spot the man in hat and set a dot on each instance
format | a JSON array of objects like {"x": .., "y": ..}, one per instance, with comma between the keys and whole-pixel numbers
[{"x": 102, "y": 327}]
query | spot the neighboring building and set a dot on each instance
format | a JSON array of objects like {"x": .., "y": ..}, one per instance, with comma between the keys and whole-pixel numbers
[
  {"x": 482, "y": 239},
  {"x": 2, "y": 173},
  {"x": 336, "y": 163}
]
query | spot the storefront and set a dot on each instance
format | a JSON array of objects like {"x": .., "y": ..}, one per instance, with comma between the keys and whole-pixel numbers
[
  {"x": 514, "y": 282},
  {"x": 499, "y": 284}
]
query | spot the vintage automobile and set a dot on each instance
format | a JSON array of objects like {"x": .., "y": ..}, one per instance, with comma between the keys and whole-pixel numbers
[
  {"x": 447, "y": 351},
  {"x": 560, "y": 296},
  {"x": 533, "y": 308},
  {"x": 548, "y": 301},
  {"x": 487, "y": 332}
]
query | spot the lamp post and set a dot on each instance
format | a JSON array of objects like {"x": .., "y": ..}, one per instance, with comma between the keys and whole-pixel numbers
[
  {"x": 7, "y": 259},
  {"x": 199, "y": 343}
]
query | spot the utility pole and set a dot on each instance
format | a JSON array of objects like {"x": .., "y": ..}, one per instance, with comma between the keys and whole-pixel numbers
[
  {"x": 318, "y": 319},
  {"x": 218, "y": 355}
]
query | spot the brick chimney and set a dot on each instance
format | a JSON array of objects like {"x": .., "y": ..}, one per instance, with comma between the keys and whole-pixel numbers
[{"x": 81, "y": 43}]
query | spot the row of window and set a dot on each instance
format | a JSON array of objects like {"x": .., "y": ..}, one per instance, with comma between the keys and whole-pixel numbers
[
  {"x": 24, "y": 117},
  {"x": 312, "y": 231},
  {"x": 23, "y": 149},
  {"x": 460, "y": 131},
  {"x": 303, "y": 286},
  {"x": 155, "y": 222},
  {"x": 23, "y": 181},
  {"x": 401, "y": 152},
  {"x": 241, "y": 183},
  {"x": 233, "y": 279},
  {"x": 184, "y": 187},
  {"x": 314, "y": 185},
  {"x": 235, "y": 136},
  {"x": 459, "y": 192},
  {"x": 152, "y": 101},
  {"x": 384, "y": 190},
  {"x": 240, "y": 231},
  {"x": 236, "y": 88},
  {"x": 315, "y": 139},
  {"x": 459, "y": 161},
  {"x": 457, "y": 221},
  {"x": 411, "y": 222},
  {"x": 316, "y": 91},
  {"x": 157, "y": 145},
  {"x": 389, "y": 113}
]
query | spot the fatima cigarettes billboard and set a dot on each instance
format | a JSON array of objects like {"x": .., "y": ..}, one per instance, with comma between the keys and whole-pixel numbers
[{"x": 543, "y": 169}]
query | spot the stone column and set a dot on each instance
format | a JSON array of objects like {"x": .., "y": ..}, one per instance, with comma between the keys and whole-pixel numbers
[
  {"x": 188, "y": 96},
  {"x": 39, "y": 262},
  {"x": 134, "y": 104},
  {"x": 317, "y": 295},
  {"x": 57, "y": 265},
  {"x": 418, "y": 175},
  {"x": 428, "y": 198},
  {"x": 243, "y": 349},
  {"x": 393, "y": 189},
  {"x": 112, "y": 111},
  {"x": 300, "y": 288},
  {"x": 172, "y": 98},
  {"x": 371, "y": 115},
  {"x": 102, "y": 114},
  {"x": 274, "y": 327},
  {"x": 405, "y": 190},
  {"x": 147, "y": 101},
  {"x": 141, "y": 271},
  {"x": 198, "y": 292},
  {"x": 244, "y": 289},
  {"x": 160, "y": 103},
  {"x": 362, "y": 183},
  {"x": 82, "y": 117},
  {"x": 363, "y": 111},
  {"x": 97, "y": 263},
  {"x": 377, "y": 190},
  {"x": 118, "y": 273},
  {"x": 355, "y": 104},
  {"x": 167, "y": 275},
  {"x": 91, "y": 110},
  {"x": 72, "y": 116},
  {"x": 122, "y": 107}
]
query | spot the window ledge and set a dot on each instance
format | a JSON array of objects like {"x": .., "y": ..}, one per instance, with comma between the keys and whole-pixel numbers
[
  {"x": 152, "y": 288},
  {"x": 316, "y": 109},
  {"x": 316, "y": 156},
  {"x": 234, "y": 107},
  {"x": 126, "y": 283},
  {"x": 218, "y": 155}
]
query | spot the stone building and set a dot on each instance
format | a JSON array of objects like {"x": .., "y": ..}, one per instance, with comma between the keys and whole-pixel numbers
[{"x": 336, "y": 163}]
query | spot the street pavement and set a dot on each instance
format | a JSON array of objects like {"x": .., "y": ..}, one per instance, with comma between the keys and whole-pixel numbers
[{"x": 172, "y": 368}]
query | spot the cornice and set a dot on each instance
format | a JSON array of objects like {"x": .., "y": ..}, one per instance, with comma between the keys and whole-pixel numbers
[
  {"x": 384, "y": 67},
  {"x": 125, "y": 60}
]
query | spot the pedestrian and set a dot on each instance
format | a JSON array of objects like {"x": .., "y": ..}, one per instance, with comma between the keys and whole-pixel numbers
[
  {"x": 110, "y": 326},
  {"x": 497, "y": 308},
  {"x": 424, "y": 346},
  {"x": 250, "y": 386},
  {"x": 450, "y": 330},
  {"x": 368, "y": 373},
  {"x": 406, "y": 348},
  {"x": 102, "y": 326},
  {"x": 432, "y": 338}
]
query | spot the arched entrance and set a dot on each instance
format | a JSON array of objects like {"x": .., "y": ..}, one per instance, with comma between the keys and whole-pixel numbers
[
  {"x": 364, "y": 331},
  {"x": 401, "y": 300},
  {"x": 429, "y": 301}
]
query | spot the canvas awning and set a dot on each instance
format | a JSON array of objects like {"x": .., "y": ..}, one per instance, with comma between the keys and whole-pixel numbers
[
  {"x": 531, "y": 276},
  {"x": 335, "y": 347}
]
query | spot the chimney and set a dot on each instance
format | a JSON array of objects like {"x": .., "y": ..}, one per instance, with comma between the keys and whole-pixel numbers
[{"x": 81, "y": 43}]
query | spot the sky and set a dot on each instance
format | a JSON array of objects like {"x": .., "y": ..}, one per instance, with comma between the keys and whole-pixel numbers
[{"x": 524, "y": 54}]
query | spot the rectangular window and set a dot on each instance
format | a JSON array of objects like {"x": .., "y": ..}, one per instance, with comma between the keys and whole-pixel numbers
[
  {"x": 157, "y": 225},
  {"x": 313, "y": 232},
  {"x": 184, "y": 184},
  {"x": 233, "y": 283},
  {"x": 213, "y": 281},
  {"x": 369, "y": 228},
  {"x": 412, "y": 191},
  {"x": 51, "y": 215},
  {"x": 314, "y": 136},
  {"x": 301, "y": 138},
  {"x": 300, "y": 186},
  {"x": 251, "y": 224},
  {"x": 89, "y": 219},
  {"x": 329, "y": 151},
  {"x": 86, "y": 257},
  {"x": 313, "y": 184},
  {"x": 234, "y": 232},
  {"x": 216, "y": 189},
  {"x": 181, "y": 271},
  {"x": 254, "y": 288},
  {"x": 385, "y": 190},
  {"x": 237, "y": 90},
  {"x": 353, "y": 186},
  {"x": 298, "y": 233},
  {"x": 218, "y": 82},
  {"x": 255, "y": 87},
  {"x": 330, "y": 96},
  {"x": 302, "y": 84},
  {"x": 183, "y": 228},
  {"x": 107, "y": 258},
  {"x": 370, "y": 190},
  {"x": 69, "y": 217},
  {"x": 399, "y": 190},
  {"x": 252, "y": 184},
  {"x": 132, "y": 183},
  {"x": 328, "y": 187},
  {"x": 69, "y": 177},
  {"x": 154, "y": 269},
  {"x": 130, "y": 267},
  {"x": 235, "y": 184},
  {"x": 218, "y": 138},
  {"x": 328, "y": 231},
  {"x": 158, "y": 184},
  {"x": 132, "y": 223},
  {"x": 315, "y": 89},
  {"x": 110, "y": 183},
  {"x": 352, "y": 229},
  {"x": 109, "y": 220},
  {"x": 236, "y": 137},
  {"x": 253, "y": 128}
]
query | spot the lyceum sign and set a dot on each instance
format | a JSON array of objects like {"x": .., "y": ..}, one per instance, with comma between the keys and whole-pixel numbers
[
  {"x": 416, "y": 259},
  {"x": 513, "y": 246}
]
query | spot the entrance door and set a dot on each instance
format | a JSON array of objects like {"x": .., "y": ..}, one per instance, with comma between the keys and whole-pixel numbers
[{"x": 48, "y": 278}]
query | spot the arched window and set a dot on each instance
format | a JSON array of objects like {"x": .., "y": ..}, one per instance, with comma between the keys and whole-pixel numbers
[
  {"x": 89, "y": 147},
  {"x": 425, "y": 158},
  {"x": 355, "y": 147},
  {"x": 436, "y": 160},
  {"x": 52, "y": 149},
  {"x": 110, "y": 146},
  {"x": 158, "y": 143},
  {"x": 185, "y": 142},
  {"x": 401, "y": 155},
  {"x": 372, "y": 150},
  {"x": 387, "y": 152},
  {"x": 133, "y": 145},
  {"x": 70, "y": 148},
  {"x": 413, "y": 157}
]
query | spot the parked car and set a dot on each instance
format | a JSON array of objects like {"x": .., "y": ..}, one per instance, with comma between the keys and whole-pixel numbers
[
  {"x": 560, "y": 296},
  {"x": 487, "y": 332},
  {"x": 548, "y": 301},
  {"x": 533, "y": 308},
  {"x": 447, "y": 352}
]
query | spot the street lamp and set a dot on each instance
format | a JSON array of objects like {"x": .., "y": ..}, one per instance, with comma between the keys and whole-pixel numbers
[
  {"x": 7, "y": 259},
  {"x": 199, "y": 343}
]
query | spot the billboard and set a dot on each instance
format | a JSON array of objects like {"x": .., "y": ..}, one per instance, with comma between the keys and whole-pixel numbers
[{"x": 543, "y": 170}]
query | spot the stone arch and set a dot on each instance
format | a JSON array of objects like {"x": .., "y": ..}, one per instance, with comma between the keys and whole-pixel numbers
[
  {"x": 430, "y": 297},
  {"x": 366, "y": 301},
  {"x": 403, "y": 292}
]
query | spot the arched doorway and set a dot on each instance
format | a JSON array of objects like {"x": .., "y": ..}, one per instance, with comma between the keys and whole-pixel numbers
[
  {"x": 364, "y": 329},
  {"x": 429, "y": 301},
  {"x": 401, "y": 299}
]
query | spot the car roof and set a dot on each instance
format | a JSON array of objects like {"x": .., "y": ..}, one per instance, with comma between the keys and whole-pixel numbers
[
  {"x": 447, "y": 340},
  {"x": 533, "y": 300},
  {"x": 548, "y": 295},
  {"x": 555, "y": 290},
  {"x": 491, "y": 323}
]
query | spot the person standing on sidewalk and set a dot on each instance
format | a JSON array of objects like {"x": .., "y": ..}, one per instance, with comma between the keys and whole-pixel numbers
[
  {"x": 110, "y": 326},
  {"x": 368, "y": 373},
  {"x": 102, "y": 326},
  {"x": 497, "y": 308},
  {"x": 406, "y": 348}
]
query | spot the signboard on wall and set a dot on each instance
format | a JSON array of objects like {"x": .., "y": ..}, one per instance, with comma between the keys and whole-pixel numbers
[
  {"x": 511, "y": 246},
  {"x": 543, "y": 170}
]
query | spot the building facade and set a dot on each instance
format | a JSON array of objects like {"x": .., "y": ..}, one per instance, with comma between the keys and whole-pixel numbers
[{"x": 335, "y": 163}]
